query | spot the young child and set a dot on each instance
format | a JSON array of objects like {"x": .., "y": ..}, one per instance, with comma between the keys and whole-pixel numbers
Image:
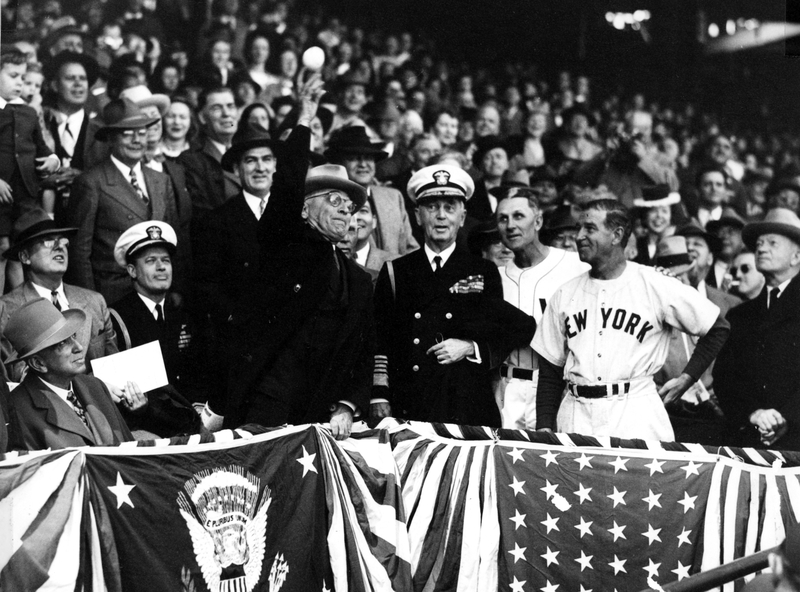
[
  {"x": 32, "y": 95},
  {"x": 23, "y": 154}
]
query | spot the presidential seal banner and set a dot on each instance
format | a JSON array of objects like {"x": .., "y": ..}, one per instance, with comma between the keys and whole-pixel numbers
[{"x": 407, "y": 507}]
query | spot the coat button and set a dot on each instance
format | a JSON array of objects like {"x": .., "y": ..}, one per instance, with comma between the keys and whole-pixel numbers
[
  {"x": 416, "y": 341},
  {"x": 599, "y": 355},
  {"x": 297, "y": 288},
  {"x": 130, "y": 217},
  {"x": 415, "y": 368},
  {"x": 247, "y": 264},
  {"x": 417, "y": 315},
  {"x": 448, "y": 316}
]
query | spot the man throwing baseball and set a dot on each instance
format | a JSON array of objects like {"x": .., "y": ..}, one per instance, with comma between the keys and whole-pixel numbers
[{"x": 607, "y": 332}]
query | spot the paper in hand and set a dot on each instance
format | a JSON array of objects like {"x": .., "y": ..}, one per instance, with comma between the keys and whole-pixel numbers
[{"x": 143, "y": 365}]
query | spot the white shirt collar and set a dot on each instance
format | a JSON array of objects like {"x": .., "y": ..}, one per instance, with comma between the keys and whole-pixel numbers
[
  {"x": 701, "y": 287},
  {"x": 254, "y": 203},
  {"x": 151, "y": 306},
  {"x": 126, "y": 172},
  {"x": 3, "y": 103},
  {"x": 45, "y": 293},
  {"x": 221, "y": 147},
  {"x": 62, "y": 393},
  {"x": 445, "y": 255},
  {"x": 781, "y": 287},
  {"x": 362, "y": 254}
]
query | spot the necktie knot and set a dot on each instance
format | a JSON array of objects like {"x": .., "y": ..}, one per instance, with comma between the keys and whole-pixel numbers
[
  {"x": 54, "y": 297},
  {"x": 159, "y": 314},
  {"x": 437, "y": 261}
]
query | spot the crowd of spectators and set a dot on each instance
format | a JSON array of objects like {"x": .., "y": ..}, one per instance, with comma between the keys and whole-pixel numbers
[{"x": 159, "y": 91}]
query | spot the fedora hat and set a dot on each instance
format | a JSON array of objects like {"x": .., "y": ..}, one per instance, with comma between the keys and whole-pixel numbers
[
  {"x": 485, "y": 145},
  {"x": 672, "y": 253},
  {"x": 334, "y": 176},
  {"x": 728, "y": 217},
  {"x": 37, "y": 324},
  {"x": 53, "y": 65},
  {"x": 353, "y": 140},
  {"x": 120, "y": 115},
  {"x": 141, "y": 96},
  {"x": 481, "y": 236},
  {"x": 246, "y": 138},
  {"x": 657, "y": 195},
  {"x": 777, "y": 221},
  {"x": 31, "y": 225},
  {"x": 560, "y": 219},
  {"x": 61, "y": 27},
  {"x": 693, "y": 228}
]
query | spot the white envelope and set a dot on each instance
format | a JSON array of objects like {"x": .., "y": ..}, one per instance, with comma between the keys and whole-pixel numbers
[{"x": 143, "y": 365}]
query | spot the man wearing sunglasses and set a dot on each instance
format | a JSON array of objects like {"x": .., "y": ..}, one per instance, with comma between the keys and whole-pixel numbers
[
  {"x": 41, "y": 246},
  {"x": 112, "y": 196},
  {"x": 299, "y": 343}
]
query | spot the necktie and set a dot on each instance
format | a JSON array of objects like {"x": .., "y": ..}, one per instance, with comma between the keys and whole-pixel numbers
[
  {"x": 438, "y": 262},
  {"x": 56, "y": 303},
  {"x": 773, "y": 296},
  {"x": 68, "y": 140},
  {"x": 73, "y": 400},
  {"x": 159, "y": 314},
  {"x": 261, "y": 207},
  {"x": 138, "y": 188}
]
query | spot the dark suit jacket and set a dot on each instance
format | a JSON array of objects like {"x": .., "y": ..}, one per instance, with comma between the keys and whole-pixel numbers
[
  {"x": 40, "y": 419},
  {"x": 479, "y": 207},
  {"x": 28, "y": 145},
  {"x": 88, "y": 151},
  {"x": 226, "y": 257},
  {"x": 3, "y": 416},
  {"x": 96, "y": 335},
  {"x": 103, "y": 205},
  {"x": 209, "y": 186},
  {"x": 295, "y": 269},
  {"x": 422, "y": 311},
  {"x": 758, "y": 366}
]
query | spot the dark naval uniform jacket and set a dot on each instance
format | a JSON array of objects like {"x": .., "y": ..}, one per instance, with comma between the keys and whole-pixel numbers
[
  {"x": 296, "y": 267},
  {"x": 421, "y": 311},
  {"x": 758, "y": 367}
]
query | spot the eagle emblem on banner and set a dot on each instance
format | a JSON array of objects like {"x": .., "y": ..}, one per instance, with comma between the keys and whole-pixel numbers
[{"x": 226, "y": 513}]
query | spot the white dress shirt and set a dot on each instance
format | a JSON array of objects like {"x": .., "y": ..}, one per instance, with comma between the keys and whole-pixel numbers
[
  {"x": 46, "y": 293},
  {"x": 445, "y": 255},
  {"x": 255, "y": 203},
  {"x": 362, "y": 255},
  {"x": 75, "y": 122},
  {"x": 151, "y": 306},
  {"x": 126, "y": 172}
]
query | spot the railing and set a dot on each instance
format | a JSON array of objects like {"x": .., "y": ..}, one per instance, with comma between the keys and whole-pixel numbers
[{"x": 720, "y": 575}]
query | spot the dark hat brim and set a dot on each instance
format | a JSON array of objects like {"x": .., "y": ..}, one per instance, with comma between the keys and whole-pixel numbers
[
  {"x": 334, "y": 153},
  {"x": 357, "y": 194},
  {"x": 752, "y": 231},
  {"x": 237, "y": 150},
  {"x": 713, "y": 242},
  {"x": 12, "y": 253},
  {"x": 128, "y": 123},
  {"x": 74, "y": 320},
  {"x": 714, "y": 225},
  {"x": 89, "y": 64}
]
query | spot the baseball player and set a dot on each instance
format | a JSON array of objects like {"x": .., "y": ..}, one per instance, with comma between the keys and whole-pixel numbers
[
  {"x": 607, "y": 333},
  {"x": 528, "y": 283}
]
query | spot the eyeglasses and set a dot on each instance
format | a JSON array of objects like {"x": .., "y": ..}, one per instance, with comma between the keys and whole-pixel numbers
[
  {"x": 336, "y": 199},
  {"x": 744, "y": 268},
  {"x": 49, "y": 243},
  {"x": 130, "y": 134}
]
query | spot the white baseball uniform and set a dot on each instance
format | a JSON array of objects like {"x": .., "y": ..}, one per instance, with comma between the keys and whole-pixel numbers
[
  {"x": 530, "y": 289},
  {"x": 616, "y": 333}
]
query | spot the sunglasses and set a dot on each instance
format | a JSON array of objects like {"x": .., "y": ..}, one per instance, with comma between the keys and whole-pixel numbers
[{"x": 745, "y": 269}]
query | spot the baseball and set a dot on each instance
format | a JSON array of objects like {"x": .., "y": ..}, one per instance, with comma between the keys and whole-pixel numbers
[{"x": 313, "y": 58}]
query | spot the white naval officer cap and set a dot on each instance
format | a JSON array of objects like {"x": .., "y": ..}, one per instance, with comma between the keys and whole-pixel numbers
[
  {"x": 142, "y": 235},
  {"x": 440, "y": 180}
]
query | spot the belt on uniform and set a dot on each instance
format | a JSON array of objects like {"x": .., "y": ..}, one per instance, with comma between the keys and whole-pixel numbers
[
  {"x": 599, "y": 391},
  {"x": 513, "y": 372}
]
